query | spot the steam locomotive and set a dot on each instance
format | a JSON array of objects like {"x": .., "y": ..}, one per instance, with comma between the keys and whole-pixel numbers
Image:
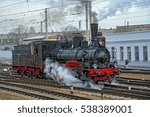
[{"x": 89, "y": 61}]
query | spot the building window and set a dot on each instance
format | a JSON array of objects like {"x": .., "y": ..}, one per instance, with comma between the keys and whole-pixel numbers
[
  {"x": 121, "y": 53},
  {"x": 113, "y": 53},
  {"x": 129, "y": 53},
  {"x": 136, "y": 53},
  {"x": 145, "y": 53}
]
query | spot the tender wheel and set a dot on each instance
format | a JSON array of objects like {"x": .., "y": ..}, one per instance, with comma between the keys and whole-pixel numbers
[
  {"x": 18, "y": 72},
  {"x": 31, "y": 73}
]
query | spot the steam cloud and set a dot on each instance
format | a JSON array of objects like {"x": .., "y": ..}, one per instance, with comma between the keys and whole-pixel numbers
[
  {"x": 64, "y": 76},
  {"x": 122, "y": 6}
]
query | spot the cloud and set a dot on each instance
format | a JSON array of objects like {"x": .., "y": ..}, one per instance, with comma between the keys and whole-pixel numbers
[
  {"x": 122, "y": 6},
  {"x": 51, "y": 2}
]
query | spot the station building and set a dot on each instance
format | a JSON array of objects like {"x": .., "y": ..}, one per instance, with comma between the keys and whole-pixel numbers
[{"x": 131, "y": 46}]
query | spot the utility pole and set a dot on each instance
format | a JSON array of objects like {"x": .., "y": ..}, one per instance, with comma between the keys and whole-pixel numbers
[
  {"x": 79, "y": 25},
  {"x": 87, "y": 21},
  {"x": 46, "y": 22},
  {"x": 90, "y": 18},
  {"x": 41, "y": 26}
]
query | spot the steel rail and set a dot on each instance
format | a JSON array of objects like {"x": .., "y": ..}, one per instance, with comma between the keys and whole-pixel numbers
[
  {"x": 64, "y": 95},
  {"x": 108, "y": 89}
]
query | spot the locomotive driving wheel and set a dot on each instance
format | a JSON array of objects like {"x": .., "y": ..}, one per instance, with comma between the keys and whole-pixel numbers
[{"x": 31, "y": 74}]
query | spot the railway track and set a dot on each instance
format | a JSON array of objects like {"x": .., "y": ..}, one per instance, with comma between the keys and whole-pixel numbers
[
  {"x": 128, "y": 91},
  {"x": 109, "y": 89},
  {"x": 129, "y": 81},
  {"x": 35, "y": 96},
  {"x": 133, "y": 81},
  {"x": 147, "y": 72},
  {"x": 115, "y": 90},
  {"x": 37, "y": 92}
]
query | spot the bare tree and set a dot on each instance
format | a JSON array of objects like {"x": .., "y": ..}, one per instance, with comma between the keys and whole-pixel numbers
[
  {"x": 20, "y": 29},
  {"x": 21, "y": 32},
  {"x": 69, "y": 30},
  {"x": 32, "y": 30}
]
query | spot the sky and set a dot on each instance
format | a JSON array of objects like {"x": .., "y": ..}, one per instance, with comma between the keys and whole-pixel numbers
[
  {"x": 111, "y": 13},
  {"x": 116, "y": 12}
]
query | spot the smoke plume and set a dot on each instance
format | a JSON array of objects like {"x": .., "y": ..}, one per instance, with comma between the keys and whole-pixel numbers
[
  {"x": 121, "y": 6},
  {"x": 94, "y": 17},
  {"x": 64, "y": 76}
]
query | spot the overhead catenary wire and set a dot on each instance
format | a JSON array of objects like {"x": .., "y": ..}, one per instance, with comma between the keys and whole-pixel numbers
[
  {"x": 37, "y": 15},
  {"x": 11, "y": 5},
  {"x": 27, "y": 17},
  {"x": 123, "y": 6}
]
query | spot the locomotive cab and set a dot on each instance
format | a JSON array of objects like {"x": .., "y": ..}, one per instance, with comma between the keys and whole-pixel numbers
[{"x": 79, "y": 41}]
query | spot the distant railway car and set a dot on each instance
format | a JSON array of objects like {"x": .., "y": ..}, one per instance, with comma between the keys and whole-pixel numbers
[{"x": 89, "y": 61}]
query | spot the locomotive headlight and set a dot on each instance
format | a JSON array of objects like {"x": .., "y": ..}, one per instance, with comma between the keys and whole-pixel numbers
[
  {"x": 94, "y": 66},
  {"x": 100, "y": 42}
]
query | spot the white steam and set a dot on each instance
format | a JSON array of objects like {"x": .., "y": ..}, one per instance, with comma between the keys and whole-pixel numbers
[
  {"x": 64, "y": 76},
  {"x": 122, "y": 6}
]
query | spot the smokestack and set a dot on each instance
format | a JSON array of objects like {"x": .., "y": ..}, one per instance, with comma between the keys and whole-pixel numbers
[{"x": 94, "y": 30}]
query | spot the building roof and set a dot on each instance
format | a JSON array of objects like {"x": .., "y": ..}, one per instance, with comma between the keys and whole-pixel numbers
[
  {"x": 53, "y": 37},
  {"x": 128, "y": 36},
  {"x": 34, "y": 38}
]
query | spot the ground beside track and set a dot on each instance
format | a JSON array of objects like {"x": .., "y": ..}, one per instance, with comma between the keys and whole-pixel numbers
[
  {"x": 136, "y": 76},
  {"x": 6, "y": 95}
]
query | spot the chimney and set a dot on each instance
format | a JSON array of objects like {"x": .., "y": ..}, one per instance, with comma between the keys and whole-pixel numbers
[{"x": 94, "y": 30}]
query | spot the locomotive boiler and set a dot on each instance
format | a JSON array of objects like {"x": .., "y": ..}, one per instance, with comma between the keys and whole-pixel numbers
[
  {"x": 79, "y": 50},
  {"x": 91, "y": 60}
]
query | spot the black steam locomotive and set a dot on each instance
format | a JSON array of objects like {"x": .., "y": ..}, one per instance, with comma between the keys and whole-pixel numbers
[{"x": 92, "y": 60}]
